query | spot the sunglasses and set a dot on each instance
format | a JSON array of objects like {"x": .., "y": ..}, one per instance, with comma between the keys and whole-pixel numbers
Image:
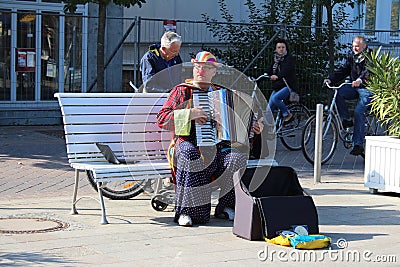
[{"x": 204, "y": 67}]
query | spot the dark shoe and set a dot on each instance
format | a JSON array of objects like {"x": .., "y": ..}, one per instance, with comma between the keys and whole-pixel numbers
[
  {"x": 347, "y": 123},
  {"x": 357, "y": 151},
  {"x": 288, "y": 119},
  {"x": 227, "y": 213}
]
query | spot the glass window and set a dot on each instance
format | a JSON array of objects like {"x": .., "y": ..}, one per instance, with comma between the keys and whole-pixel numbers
[
  {"x": 73, "y": 54},
  {"x": 26, "y": 65},
  {"x": 5, "y": 54},
  {"x": 394, "y": 19},
  {"x": 370, "y": 14},
  {"x": 49, "y": 56}
]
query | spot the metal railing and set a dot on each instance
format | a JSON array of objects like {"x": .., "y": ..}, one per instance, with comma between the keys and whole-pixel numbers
[{"x": 197, "y": 36}]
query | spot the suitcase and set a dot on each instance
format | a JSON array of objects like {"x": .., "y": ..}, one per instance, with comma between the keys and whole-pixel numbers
[{"x": 270, "y": 199}]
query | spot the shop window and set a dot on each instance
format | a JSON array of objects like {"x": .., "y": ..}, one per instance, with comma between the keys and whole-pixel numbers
[
  {"x": 49, "y": 56},
  {"x": 5, "y": 54},
  {"x": 25, "y": 53},
  {"x": 73, "y": 54}
]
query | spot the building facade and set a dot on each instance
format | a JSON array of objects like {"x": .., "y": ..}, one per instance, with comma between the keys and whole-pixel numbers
[{"x": 44, "y": 51}]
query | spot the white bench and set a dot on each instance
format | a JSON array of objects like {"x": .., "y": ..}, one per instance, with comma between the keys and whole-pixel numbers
[
  {"x": 127, "y": 123},
  {"x": 124, "y": 121}
]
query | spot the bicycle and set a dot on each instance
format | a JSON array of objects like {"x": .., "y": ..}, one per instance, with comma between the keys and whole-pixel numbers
[
  {"x": 290, "y": 135},
  {"x": 332, "y": 128},
  {"x": 120, "y": 190}
]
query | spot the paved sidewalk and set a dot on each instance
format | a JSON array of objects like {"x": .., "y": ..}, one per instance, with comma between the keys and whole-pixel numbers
[{"x": 36, "y": 182}]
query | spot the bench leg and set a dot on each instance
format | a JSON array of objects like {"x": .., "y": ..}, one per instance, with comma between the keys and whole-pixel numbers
[
  {"x": 158, "y": 185},
  {"x": 73, "y": 210},
  {"x": 103, "y": 209}
]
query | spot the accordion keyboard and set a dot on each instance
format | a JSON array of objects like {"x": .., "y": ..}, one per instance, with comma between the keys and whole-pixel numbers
[{"x": 205, "y": 133}]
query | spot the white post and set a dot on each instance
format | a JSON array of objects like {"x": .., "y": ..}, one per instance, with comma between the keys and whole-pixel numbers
[{"x": 318, "y": 143}]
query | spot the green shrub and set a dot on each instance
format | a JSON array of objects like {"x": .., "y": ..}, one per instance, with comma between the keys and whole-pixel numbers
[{"x": 384, "y": 83}]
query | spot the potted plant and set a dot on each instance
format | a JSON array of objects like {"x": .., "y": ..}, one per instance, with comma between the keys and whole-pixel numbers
[{"x": 382, "y": 153}]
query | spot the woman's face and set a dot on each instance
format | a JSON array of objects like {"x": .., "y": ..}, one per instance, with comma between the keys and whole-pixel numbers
[{"x": 280, "y": 48}]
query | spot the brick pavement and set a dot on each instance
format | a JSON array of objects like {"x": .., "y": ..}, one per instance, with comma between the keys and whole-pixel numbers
[{"x": 36, "y": 181}]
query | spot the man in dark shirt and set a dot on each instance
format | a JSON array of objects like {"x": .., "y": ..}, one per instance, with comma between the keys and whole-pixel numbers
[
  {"x": 355, "y": 68},
  {"x": 159, "y": 60}
]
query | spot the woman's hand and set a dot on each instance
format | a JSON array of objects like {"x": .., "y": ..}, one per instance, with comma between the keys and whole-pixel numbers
[
  {"x": 274, "y": 78},
  {"x": 198, "y": 115}
]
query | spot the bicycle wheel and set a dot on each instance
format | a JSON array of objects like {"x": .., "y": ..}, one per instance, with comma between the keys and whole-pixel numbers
[
  {"x": 291, "y": 136},
  {"x": 118, "y": 190},
  {"x": 374, "y": 127},
  {"x": 329, "y": 139}
]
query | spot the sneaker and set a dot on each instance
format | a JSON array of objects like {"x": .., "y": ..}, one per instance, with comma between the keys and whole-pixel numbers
[
  {"x": 288, "y": 119},
  {"x": 227, "y": 213},
  {"x": 347, "y": 123},
  {"x": 185, "y": 220},
  {"x": 357, "y": 151}
]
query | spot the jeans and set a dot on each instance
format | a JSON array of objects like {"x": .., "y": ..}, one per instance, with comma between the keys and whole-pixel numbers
[
  {"x": 276, "y": 101},
  {"x": 347, "y": 92}
]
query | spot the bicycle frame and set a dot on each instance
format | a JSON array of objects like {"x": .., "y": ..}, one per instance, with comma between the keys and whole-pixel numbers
[
  {"x": 280, "y": 130},
  {"x": 332, "y": 132},
  {"x": 288, "y": 135},
  {"x": 278, "y": 124},
  {"x": 333, "y": 113}
]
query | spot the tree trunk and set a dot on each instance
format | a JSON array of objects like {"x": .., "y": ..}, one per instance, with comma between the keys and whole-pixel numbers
[
  {"x": 318, "y": 19},
  {"x": 331, "y": 38},
  {"x": 100, "y": 46}
]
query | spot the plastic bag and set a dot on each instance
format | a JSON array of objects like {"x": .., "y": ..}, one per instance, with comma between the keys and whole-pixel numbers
[
  {"x": 294, "y": 97},
  {"x": 301, "y": 242}
]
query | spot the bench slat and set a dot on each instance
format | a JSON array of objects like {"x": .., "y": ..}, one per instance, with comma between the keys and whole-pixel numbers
[
  {"x": 65, "y": 96},
  {"x": 107, "y": 110},
  {"x": 144, "y": 165},
  {"x": 116, "y": 101},
  {"x": 135, "y": 174},
  {"x": 110, "y": 119},
  {"x": 107, "y": 128},
  {"x": 116, "y": 137},
  {"x": 145, "y": 148},
  {"x": 91, "y": 158}
]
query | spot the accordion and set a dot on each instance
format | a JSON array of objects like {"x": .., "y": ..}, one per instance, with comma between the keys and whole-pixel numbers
[{"x": 230, "y": 117}]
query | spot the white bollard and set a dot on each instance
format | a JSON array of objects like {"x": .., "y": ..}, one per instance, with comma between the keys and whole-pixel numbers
[{"x": 318, "y": 143}]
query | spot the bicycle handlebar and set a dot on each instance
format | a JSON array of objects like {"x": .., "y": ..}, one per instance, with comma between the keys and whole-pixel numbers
[
  {"x": 265, "y": 75},
  {"x": 336, "y": 87}
]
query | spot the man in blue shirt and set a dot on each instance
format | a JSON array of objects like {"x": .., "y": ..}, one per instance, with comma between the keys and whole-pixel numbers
[{"x": 161, "y": 57}]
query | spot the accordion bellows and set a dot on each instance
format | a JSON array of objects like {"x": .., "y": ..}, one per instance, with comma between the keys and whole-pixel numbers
[{"x": 230, "y": 117}]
